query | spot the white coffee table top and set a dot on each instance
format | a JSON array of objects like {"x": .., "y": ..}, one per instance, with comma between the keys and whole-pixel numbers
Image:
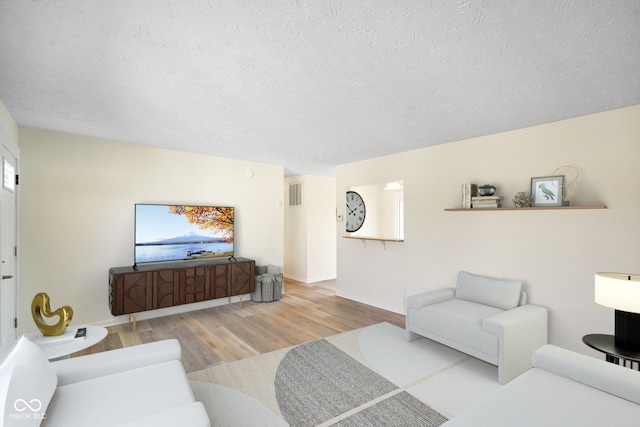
[{"x": 95, "y": 334}]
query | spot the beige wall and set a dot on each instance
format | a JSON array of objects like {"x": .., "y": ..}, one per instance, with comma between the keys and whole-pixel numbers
[
  {"x": 77, "y": 203},
  {"x": 77, "y": 197},
  {"x": 310, "y": 239},
  {"x": 555, "y": 252}
]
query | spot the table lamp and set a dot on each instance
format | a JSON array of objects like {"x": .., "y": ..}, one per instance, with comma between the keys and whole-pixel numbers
[{"x": 621, "y": 292}]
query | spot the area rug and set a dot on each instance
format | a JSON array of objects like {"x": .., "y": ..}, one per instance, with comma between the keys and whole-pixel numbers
[{"x": 370, "y": 376}]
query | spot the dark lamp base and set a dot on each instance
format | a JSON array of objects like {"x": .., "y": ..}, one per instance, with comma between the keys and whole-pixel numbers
[{"x": 627, "y": 330}]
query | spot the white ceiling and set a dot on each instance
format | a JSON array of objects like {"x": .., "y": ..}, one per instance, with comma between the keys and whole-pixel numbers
[{"x": 311, "y": 84}]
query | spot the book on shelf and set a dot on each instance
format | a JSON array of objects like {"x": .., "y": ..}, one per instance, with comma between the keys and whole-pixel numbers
[
  {"x": 486, "y": 202},
  {"x": 468, "y": 192},
  {"x": 491, "y": 199},
  {"x": 486, "y": 205}
]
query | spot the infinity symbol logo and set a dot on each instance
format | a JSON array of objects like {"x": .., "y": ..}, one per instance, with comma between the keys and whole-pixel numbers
[{"x": 22, "y": 405}]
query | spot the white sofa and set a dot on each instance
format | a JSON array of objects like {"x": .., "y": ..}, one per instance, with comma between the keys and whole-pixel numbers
[
  {"x": 562, "y": 389},
  {"x": 485, "y": 317},
  {"x": 143, "y": 385}
]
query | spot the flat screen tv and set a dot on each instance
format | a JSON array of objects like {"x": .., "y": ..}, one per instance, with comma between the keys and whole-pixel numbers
[{"x": 182, "y": 232}]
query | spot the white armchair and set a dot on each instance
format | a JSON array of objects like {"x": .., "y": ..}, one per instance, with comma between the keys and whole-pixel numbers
[
  {"x": 484, "y": 317},
  {"x": 139, "y": 386}
]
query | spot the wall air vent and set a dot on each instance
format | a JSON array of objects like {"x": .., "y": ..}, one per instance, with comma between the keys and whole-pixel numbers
[{"x": 295, "y": 194}]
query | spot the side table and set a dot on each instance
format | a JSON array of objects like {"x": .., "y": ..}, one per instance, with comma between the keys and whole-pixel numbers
[
  {"x": 62, "y": 350},
  {"x": 606, "y": 344}
]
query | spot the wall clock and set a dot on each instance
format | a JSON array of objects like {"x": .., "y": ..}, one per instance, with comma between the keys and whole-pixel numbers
[{"x": 356, "y": 211}]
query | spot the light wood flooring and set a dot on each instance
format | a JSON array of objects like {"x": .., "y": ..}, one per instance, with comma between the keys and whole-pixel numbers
[{"x": 227, "y": 333}]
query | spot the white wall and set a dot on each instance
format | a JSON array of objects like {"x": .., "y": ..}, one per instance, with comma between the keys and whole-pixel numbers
[
  {"x": 555, "y": 252},
  {"x": 321, "y": 228},
  {"x": 295, "y": 235},
  {"x": 8, "y": 297},
  {"x": 310, "y": 230},
  {"x": 8, "y": 129},
  {"x": 77, "y": 204}
]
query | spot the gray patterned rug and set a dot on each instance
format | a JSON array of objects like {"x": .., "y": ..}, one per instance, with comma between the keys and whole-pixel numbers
[
  {"x": 367, "y": 377},
  {"x": 316, "y": 382}
]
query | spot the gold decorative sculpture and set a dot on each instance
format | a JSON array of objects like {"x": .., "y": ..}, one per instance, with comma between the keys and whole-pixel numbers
[
  {"x": 571, "y": 177},
  {"x": 40, "y": 307}
]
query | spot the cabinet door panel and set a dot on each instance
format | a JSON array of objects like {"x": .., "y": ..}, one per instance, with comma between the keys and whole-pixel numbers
[
  {"x": 163, "y": 289},
  {"x": 242, "y": 278},
  {"x": 219, "y": 282},
  {"x": 193, "y": 284},
  {"x": 136, "y": 292}
]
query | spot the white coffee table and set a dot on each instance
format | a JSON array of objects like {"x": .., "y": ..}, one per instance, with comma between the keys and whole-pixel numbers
[{"x": 95, "y": 334}]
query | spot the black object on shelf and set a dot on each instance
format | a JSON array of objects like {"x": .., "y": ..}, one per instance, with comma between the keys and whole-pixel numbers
[{"x": 82, "y": 333}]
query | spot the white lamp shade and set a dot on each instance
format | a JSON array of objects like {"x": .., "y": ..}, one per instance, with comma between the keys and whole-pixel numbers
[{"x": 619, "y": 291}]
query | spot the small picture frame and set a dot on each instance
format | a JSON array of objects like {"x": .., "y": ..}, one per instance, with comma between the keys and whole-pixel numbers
[{"x": 547, "y": 191}]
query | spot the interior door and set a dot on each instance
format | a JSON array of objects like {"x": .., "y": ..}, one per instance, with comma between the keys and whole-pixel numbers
[{"x": 8, "y": 248}]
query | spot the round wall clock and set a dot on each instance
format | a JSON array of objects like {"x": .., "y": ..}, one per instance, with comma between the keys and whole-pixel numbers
[{"x": 356, "y": 211}]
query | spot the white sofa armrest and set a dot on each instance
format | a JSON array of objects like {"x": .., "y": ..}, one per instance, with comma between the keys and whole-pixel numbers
[
  {"x": 110, "y": 362},
  {"x": 428, "y": 298},
  {"x": 192, "y": 415},
  {"x": 520, "y": 332},
  {"x": 601, "y": 375}
]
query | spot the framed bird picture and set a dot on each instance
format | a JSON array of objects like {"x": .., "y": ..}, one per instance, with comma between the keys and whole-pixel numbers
[{"x": 547, "y": 191}]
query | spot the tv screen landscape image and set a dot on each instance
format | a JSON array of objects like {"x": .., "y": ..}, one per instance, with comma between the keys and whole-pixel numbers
[{"x": 182, "y": 232}]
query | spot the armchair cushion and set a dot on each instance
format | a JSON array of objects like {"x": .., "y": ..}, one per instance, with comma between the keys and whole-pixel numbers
[
  {"x": 499, "y": 293},
  {"x": 123, "y": 359},
  {"x": 461, "y": 321},
  {"x": 192, "y": 415},
  {"x": 589, "y": 371},
  {"x": 27, "y": 383},
  {"x": 428, "y": 298},
  {"x": 121, "y": 397},
  {"x": 563, "y": 388}
]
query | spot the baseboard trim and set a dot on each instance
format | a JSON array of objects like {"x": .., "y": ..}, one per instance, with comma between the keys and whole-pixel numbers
[
  {"x": 309, "y": 280},
  {"x": 322, "y": 278},
  {"x": 394, "y": 309},
  {"x": 184, "y": 308},
  {"x": 296, "y": 278}
]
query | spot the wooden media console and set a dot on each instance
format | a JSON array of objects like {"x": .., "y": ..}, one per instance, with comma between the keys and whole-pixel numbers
[{"x": 175, "y": 283}]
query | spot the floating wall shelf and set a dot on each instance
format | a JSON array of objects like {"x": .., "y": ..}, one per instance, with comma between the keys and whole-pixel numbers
[
  {"x": 379, "y": 239},
  {"x": 535, "y": 208}
]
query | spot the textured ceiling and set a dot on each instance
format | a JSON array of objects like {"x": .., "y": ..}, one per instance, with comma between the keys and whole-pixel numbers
[{"x": 311, "y": 84}]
